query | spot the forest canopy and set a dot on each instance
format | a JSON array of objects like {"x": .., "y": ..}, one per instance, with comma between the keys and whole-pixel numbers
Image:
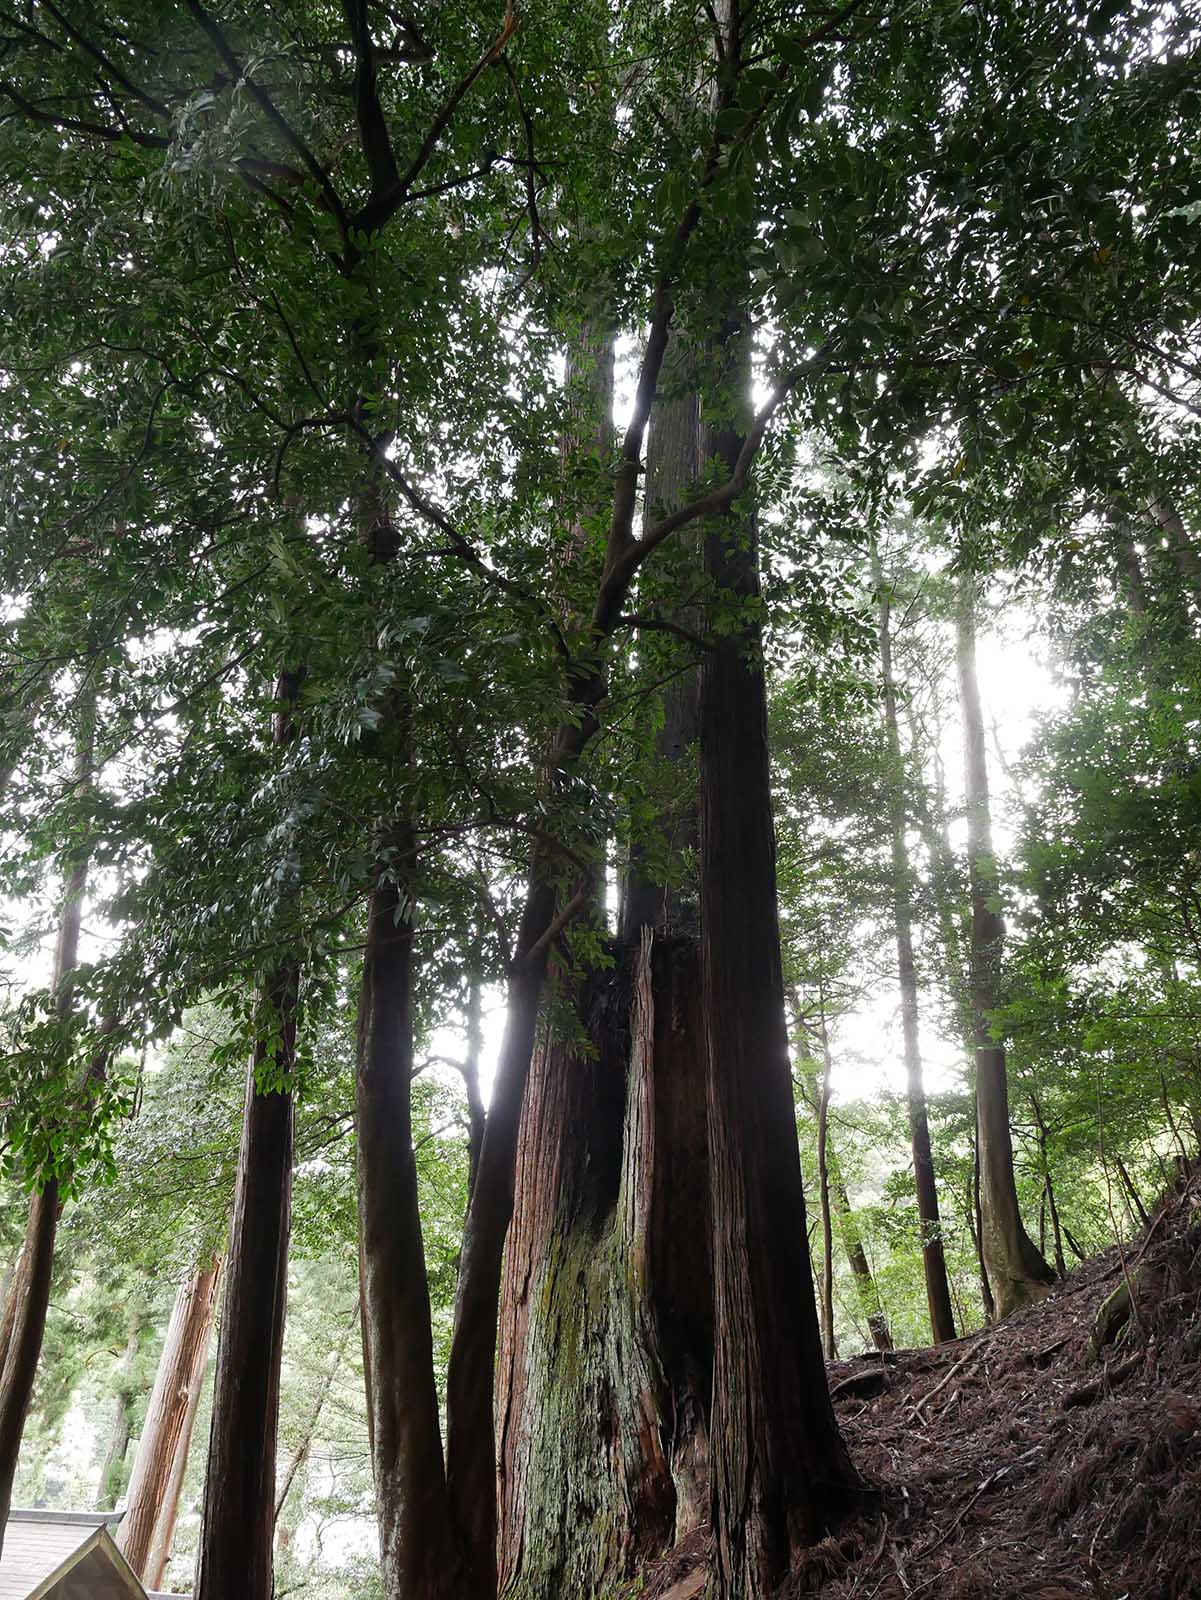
[{"x": 600, "y": 775}]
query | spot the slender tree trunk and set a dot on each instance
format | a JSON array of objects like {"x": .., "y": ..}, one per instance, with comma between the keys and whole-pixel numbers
[
  {"x": 304, "y": 1445},
  {"x": 29, "y": 1291},
  {"x": 167, "y": 1431},
  {"x": 111, "y": 1485},
  {"x": 823, "y": 1189},
  {"x": 1138, "y": 1209},
  {"x": 869, "y": 1294},
  {"x": 976, "y": 1218},
  {"x": 1017, "y": 1272},
  {"x": 938, "y": 1293},
  {"x": 238, "y": 1520},
  {"x": 779, "y": 1468},
  {"x": 1048, "y": 1186}
]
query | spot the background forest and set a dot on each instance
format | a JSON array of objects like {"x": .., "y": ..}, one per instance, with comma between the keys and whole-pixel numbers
[{"x": 470, "y": 473}]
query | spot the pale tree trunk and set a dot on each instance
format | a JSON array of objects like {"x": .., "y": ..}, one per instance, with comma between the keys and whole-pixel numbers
[
  {"x": 118, "y": 1438},
  {"x": 167, "y": 1431},
  {"x": 938, "y": 1293},
  {"x": 1017, "y": 1272},
  {"x": 605, "y": 1342},
  {"x": 29, "y": 1291},
  {"x": 238, "y": 1520},
  {"x": 779, "y": 1470}
]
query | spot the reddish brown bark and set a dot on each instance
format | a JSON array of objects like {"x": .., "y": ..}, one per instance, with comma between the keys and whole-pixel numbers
[
  {"x": 779, "y": 1468},
  {"x": 417, "y": 1554},
  {"x": 167, "y": 1431},
  {"x": 239, "y": 1502}
]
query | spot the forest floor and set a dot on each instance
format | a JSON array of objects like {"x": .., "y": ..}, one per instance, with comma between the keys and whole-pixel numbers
[{"x": 1021, "y": 1461}]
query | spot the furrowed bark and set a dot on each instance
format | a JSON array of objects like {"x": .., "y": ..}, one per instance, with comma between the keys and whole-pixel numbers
[
  {"x": 606, "y": 1337},
  {"x": 167, "y": 1431},
  {"x": 779, "y": 1471},
  {"x": 1017, "y": 1272},
  {"x": 934, "y": 1267},
  {"x": 238, "y": 1520}
]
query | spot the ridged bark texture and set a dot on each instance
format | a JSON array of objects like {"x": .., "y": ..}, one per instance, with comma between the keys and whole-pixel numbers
[
  {"x": 604, "y": 1335},
  {"x": 1017, "y": 1272},
  {"x": 167, "y": 1431},
  {"x": 779, "y": 1468}
]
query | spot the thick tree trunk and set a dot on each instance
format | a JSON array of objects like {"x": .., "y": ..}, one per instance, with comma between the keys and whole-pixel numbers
[
  {"x": 239, "y": 1503},
  {"x": 779, "y": 1471},
  {"x": 238, "y": 1520},
  {"x": 605, "y": 1345},
  {"x": 417, "y": 1554},
  {"x": 1017, "y": 1272},
  {"x": 167, "y": 1431},
  {"x": 938, "y": 1293}
]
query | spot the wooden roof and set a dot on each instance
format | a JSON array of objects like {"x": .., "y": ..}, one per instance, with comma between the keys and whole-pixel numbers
[{"x": 64, "y": 1555}]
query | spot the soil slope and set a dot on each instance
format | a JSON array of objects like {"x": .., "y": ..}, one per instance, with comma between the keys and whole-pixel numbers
[{"x": 1054, "y": 1455}]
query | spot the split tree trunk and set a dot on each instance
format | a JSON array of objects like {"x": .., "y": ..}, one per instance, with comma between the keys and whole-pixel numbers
[
  {"x": 779, "y": 1470},
  {"x": 606, "y": 1342},
  {"x": 238, "y": 1521},
  {"x": 29, "y": 1291},
  {"x": 1017, "y": 1272},
  {"x": 167, "y": 1432},
  {"x": 938, "y": 1293}
]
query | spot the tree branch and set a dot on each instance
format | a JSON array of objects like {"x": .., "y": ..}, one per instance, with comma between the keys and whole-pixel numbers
[{"x": 380, "y": 208}]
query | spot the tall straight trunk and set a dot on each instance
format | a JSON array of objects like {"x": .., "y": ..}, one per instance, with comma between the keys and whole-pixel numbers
[
  {"x": 934, "y": 1266},
  {"x": 1017, "y": 1272},
  {"x": 606, "y": 1343},
  {"x": 118, "y": 1437},
  {"x": 417, "y": 1553},
  {"x": 823, "y": 1190},
  {"x": 865, "y": 1283},
  {"x": 167, "y": 1431},
  {"x": 238, "y": 1520},
  {"x": 29, "y": 1290},
  {"x": 779, "y": 1470}
]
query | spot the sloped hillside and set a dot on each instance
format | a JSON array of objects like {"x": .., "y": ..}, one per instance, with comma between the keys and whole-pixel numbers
[{"x": 1053, "y": 1456}]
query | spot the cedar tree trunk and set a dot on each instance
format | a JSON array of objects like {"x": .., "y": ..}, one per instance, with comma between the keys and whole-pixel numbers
[
  {"x": 167, "y": 1431},
  {"x": 779, "y": 1471}
]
